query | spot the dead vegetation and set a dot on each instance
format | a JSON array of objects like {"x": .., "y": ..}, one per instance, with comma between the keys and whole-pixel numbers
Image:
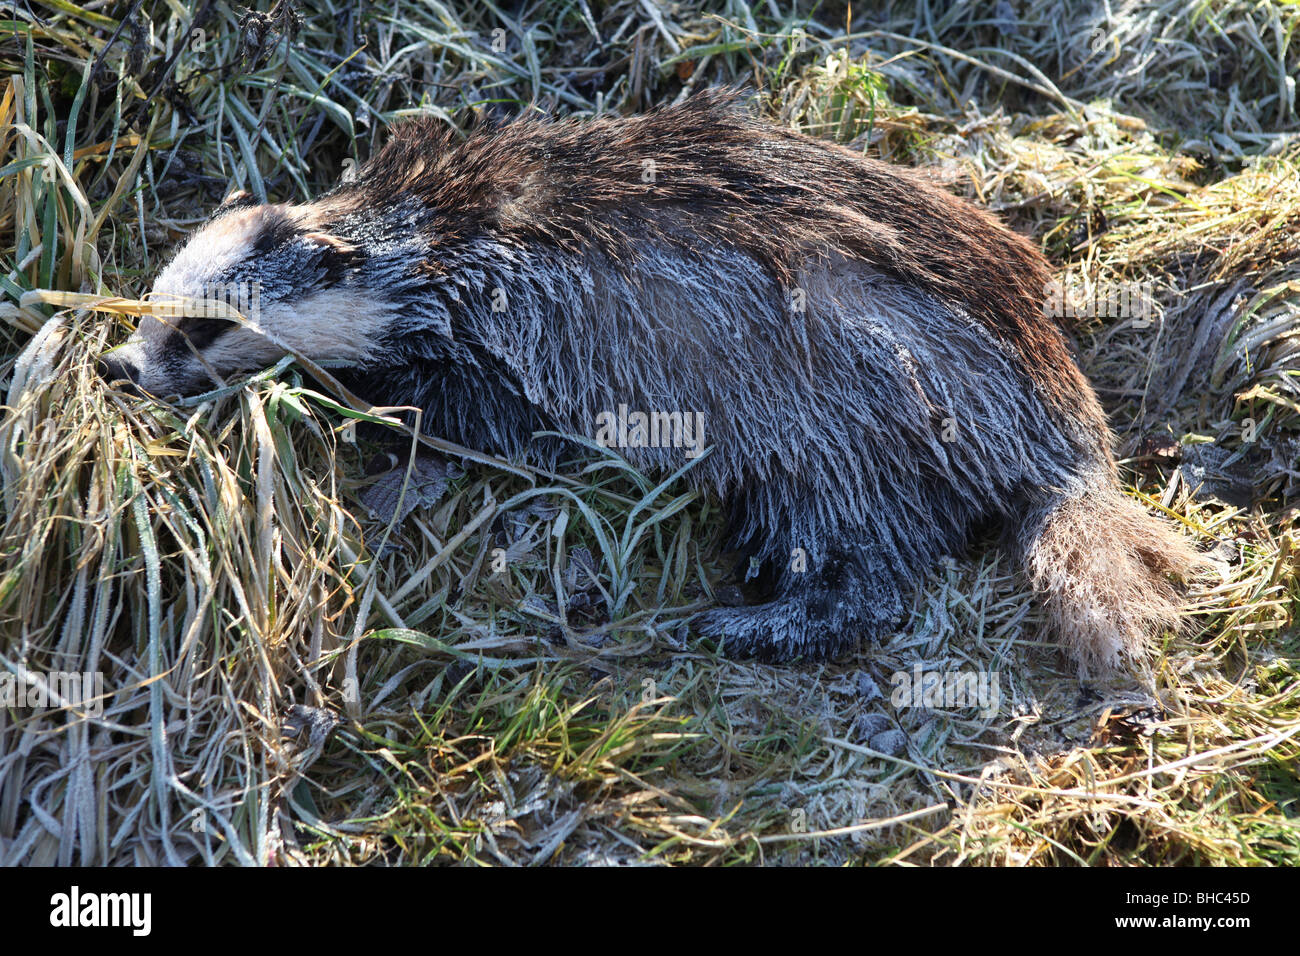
[{"x": 288, "y": 680}]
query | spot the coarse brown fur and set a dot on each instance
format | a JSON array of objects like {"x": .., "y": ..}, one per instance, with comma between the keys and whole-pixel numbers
[{"x": 583, "y": 184}]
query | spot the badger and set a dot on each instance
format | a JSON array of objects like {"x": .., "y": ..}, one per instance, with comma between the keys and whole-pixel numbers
[{"x": 870, "y": 356}]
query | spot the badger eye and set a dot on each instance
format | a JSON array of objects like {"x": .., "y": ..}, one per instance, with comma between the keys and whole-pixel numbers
[{"x": 202, "y": 332}]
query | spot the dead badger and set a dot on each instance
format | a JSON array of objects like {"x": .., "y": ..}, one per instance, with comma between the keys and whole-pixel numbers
[{"x": 869, "y": 354}]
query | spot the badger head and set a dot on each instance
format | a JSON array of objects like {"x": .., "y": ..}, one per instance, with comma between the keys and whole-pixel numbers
[{"x": 298, "y": 283}]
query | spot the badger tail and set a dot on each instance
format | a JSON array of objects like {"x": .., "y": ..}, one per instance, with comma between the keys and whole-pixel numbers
[{"x": 1103, "y": 566}]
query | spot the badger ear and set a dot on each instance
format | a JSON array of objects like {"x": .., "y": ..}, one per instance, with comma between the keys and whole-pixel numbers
[
  {"x": 236, "y": 200},
  {"x": 329, "y": 242},
  {"x": 240, "y": 197}
]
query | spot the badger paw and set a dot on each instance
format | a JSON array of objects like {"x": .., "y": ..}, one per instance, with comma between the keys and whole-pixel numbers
[
  {"x": 823, "y": 615},
  {"x": 776, "y": 632}
]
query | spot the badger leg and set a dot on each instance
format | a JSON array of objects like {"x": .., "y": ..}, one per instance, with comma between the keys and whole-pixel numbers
[{"x": 815, "y": 613}]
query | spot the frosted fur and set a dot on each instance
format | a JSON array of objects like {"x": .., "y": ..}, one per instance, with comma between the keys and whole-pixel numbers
[{"x": 846, "y": 460}]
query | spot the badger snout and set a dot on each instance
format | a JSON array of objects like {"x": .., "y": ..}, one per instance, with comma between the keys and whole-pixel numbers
[
  {"x": 116, "y": 368},
  {"x": 130, "y": 369}
]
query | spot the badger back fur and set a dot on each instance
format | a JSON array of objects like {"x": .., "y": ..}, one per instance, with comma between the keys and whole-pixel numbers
[{"x": 870, "y": 354}]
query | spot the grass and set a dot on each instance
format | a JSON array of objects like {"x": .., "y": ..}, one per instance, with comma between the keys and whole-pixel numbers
[{"x": 288, "y": 680}]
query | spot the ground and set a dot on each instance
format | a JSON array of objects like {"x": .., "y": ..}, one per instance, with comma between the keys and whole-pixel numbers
[{"x": 289, "y": 680}]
